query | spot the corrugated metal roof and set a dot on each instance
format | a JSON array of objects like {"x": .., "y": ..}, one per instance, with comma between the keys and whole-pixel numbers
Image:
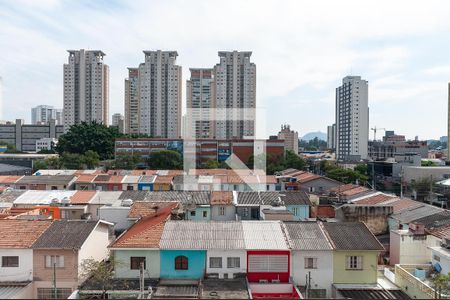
[
  {"x": 410, "y": 215},
  {"x": 131, "y": 179},
  {"x": 264, "y": 235},
  {"x": 147, "y": 179},
  {"x": 351, "y": 236},
  {"x": 106, "y": 198},
  {"x": 202, "y": 235},
  {"x": 46, "y": 179},
  {"x": 257, "y": 198},
  {"x": 134, "y": 195},
  {"x": 33, "y": 197},
  {"x": 201, "y": 198},
  {"x": 11, "y": 291},
  {"x": 306, "y": 236}
]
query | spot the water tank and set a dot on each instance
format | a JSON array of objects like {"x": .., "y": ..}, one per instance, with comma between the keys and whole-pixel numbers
[{"x": 127, "y": 202}]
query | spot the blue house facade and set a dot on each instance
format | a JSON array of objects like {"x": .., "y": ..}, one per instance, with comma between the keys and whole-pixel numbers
[
  {"x": 200, "y": 213},
  {"x": 301, "y": 212},
  {"x": 182, "y": 264},
  {"x": 146, "y": 183}
]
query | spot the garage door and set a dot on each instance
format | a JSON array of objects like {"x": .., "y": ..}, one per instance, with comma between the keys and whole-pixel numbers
[{"x": 268, "y": 263}]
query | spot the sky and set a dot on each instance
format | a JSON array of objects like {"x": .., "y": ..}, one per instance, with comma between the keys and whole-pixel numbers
[{"x": 302, "y": 50}]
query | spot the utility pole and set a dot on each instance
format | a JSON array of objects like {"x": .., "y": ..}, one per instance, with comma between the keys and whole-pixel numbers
[
  {"x": 55, "y": 291},
  {"x": 141, "y": 280}
]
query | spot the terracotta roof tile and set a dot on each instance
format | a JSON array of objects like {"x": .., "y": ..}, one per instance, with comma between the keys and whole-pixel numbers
[
  {"x": 163, "y": 179},
  {"x": 143, "y": 172},
  {"x": 402, "y": 204},
  {"x": 142, "y": 209},
  {"x": 221, "y": 198},
  {"x": 85, "y": 178},
  {"x": 146, "y": 233},
  {"x": 9, "y": 179},
  {"x": 82, "y": 197},
  {"x": 375, "y": 199},
  {"x": 355, "y": 191},
  {"x": 21, "y": 233},
  {"x": 115, "y": 179},
  {"x": 306, "y": 176},
  {"x": 103, "y": 178}
]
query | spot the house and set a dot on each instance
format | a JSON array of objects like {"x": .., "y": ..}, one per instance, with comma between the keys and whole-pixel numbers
[
  {"x": 163, "y": 183},
  {"x": 356, "y": 251},
  {"x": 145, "y": 182},
  {"x": 222, "y": 206},
  {"x": 62, "y": 250},
  {"x": 409, "y": 246},
  {"x": 248, "y": 205},
  {"x": 196, "y": 183},
  {"x": 191, "y": 250},
  {"x": 9, "y": 181},
  {"x": 296, "y": 202},
  {"x": 140, "y": 244},
  {"x": 311, "y": 257},
  {"x": 46, "y": 182},
  {"x": 130, "y": 183},
  {"x": 101, "y": 199},
  {"x": 85, "y": 182},
  {"x": 33, "y": 198},
  {"x": 268, "y": 260},
  {"x": 16, "y": 239}
]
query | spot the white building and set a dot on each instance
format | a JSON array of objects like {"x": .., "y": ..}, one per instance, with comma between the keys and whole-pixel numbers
[
  {"x": 311, "y": 257},
  {"x": 160, "y": 95},
  {"x": 235, "y": 80},
  {"x": 46, "y": 144},
  {"x": 42, "y": 114},
  {"x": 331, "y": 136},
  {"x": 352, "y": 119},
  {"x": 290, "y": 138},
  {"x": 86, "y": 88},
  {"x": 200, "y": 99}
]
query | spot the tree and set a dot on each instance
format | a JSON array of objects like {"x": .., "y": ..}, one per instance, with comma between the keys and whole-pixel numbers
[
  {"x": 346, "y": 175},
  {"x": 39, "y": 165},
  {"x": 277, "y": 162},
  {"x": 73, "y": 161},
  {"x": 165, "y": 160},
  {"x": 427, "y": 163},
  {"x": 212, "y": 164},
  {"x": 422, "y": 187},
  {"x": 126, "y": 161},
  {"x": 89, "y": 136},
  {"x": 99, "y": 274},
  {"x": 441, "y": 284},
  {"x": 292, "y": 160},
  {"x": 91, "y": 159},
  {"x": 361, "y": 169}
]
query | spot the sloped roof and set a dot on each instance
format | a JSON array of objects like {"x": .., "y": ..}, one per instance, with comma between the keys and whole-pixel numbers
[
  {"x": 82, "y": 197},
  {"x": 9, "y": 179},
  {"x": 221, "y": 198},
  {"x": 437, "y": 220},
  {"x": 85, "y": 178},
  {"x": 10, "y": 196},
  {"x": 351, "y": 236},
  {"x": 147, "y": 179},
  {"x": 131, "y": 179},
  {"x": 65, "y": 234},
  {"x": 371, "y": 293},
  {"x": 202, "y": 235},
  {"x": 257, "y": 198},
  {"x": 142, "y": 209},
  {"x": 21, "y": 233},
  {"x": 306, "y": 236},
  {"x": 34, "y": 197},
  {"x": 201, "y": 198},
  {"x": 416, "y": 212},
  {"x": 134, "y": 195},
  {"x": 163, "y": 179},
  {"x": 375, "y": 199},
  {"x": 295, "y": 198},
  {"x": 146, "y": 233},
  {"x": 46, "y": 179},
  {"x": 264, "y": 235}
]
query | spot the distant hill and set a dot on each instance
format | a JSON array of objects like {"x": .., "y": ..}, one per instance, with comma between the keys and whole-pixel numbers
[{"x": 311, "y": 135}]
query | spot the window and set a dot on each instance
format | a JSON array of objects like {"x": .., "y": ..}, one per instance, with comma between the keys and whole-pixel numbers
[
  {"x": 221, "y": 210},
  {"x": 436, "y": 258},
  {"x": 205, "y": 214},
  {"x": 181, "y": 263},
  {"x": 233, "y": 262},
  {"x": 310, "y": 263},
  {"x": 135, "y": 262},
  {"x": 54, "y": 260},
  {"x": 49, "y": 293},
  {"x": 354, "y": 263},
  {"x": 193, "y": 213},
  {"x": 295, "y": 211},
  {"x": 317, "y": 293},
  {"x": 215, "y": 262},
  {"x": 10, "y": 261},
  {"x": 245, "y": 212}
]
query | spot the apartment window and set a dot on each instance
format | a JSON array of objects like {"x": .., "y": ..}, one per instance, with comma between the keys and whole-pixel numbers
[
  {"x": 135, "y": 262},
  {"x": 215, "y": 262},
  {"x": 310, "y": 263},
  {"x": 193, "y": 213},
  {"x": 181, "y": 263},
  {"x": 354, "y": 263},
  {"x": 10, "y": 261},
  {"x": 205, "y": 214},
  {"x": 54, "y": 260},
  {"x": 221, "y": 210},
  {"x": 233, "y": 262}
]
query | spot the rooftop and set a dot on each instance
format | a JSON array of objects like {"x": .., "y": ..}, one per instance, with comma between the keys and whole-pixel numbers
[
  {"x": 35, "y": 197},
  {"x": 264, "y": 235},
  {"x": 202, "y": 235},
  {"x": 21, "y": 233},
  {"x": 295, "y": 198},
  {"x": 65, "y": 234},
  {"x": 142, "y": 209},
  {"x": 221, "y": 198},
  {"x": 82, "y": 197},
  {"x": 306, "y": 236},
  {"x": 351, "y": 236},
  {"x": 46, "y": 179}
]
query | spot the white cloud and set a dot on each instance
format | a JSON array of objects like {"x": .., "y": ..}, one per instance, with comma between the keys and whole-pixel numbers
[{"x": 305, "y": 46}]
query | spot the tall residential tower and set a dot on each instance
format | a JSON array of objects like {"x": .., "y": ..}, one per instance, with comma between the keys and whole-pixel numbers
[
  {"x": 235, "y": 88},
  {"x": 42, "y": 114},
  {"x": 86, "y": 88},
  {"x": 132, "y": 101},
  {"x": 352, "y": 119},
  {"x": 200, "y": 101}
]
